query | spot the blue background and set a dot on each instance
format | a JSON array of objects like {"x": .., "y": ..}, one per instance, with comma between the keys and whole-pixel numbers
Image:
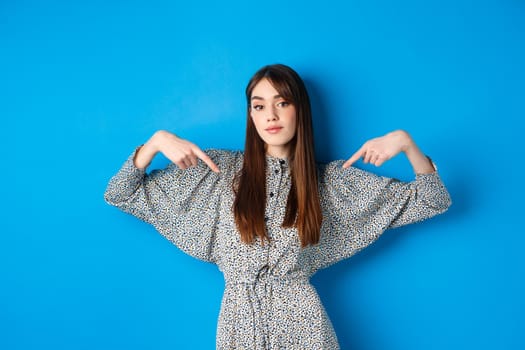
[{"x": 81, "y": 85}]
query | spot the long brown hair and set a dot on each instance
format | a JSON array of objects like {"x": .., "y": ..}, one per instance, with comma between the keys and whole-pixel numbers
[{"x": 303, "y": 209}]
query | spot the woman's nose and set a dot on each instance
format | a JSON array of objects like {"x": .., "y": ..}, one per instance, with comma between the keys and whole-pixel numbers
[{"x": 272, "y": 115}]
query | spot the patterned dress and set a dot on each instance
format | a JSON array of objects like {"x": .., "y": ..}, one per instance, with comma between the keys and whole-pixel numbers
[{"x": 268, "y": 301}]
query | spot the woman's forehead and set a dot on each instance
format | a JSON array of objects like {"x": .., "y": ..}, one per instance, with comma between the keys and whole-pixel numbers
[{"x": 264, "y": 90}]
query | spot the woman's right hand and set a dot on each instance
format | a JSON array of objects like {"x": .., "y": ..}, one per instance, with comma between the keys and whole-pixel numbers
[{"x": 181, "y": 152}]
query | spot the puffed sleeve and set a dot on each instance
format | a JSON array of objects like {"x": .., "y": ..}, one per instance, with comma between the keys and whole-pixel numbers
[
  {"x": 183, "y": 205},
  {"x": 359, "y": 206}
]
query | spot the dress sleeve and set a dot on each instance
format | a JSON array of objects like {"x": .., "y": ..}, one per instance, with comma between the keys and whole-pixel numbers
[
  {"x": 359, "y": 206},
  {"x": 183, "y": 205}
]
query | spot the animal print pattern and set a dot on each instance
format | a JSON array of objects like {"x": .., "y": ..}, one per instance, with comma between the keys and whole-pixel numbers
[{"x": 268, "y": 301}]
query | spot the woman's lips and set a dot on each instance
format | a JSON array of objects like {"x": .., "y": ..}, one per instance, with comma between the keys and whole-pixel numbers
[{"x": 274, "y": 129}]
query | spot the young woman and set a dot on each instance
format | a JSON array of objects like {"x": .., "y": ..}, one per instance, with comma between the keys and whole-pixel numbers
[{"x": 270, "y": 217}]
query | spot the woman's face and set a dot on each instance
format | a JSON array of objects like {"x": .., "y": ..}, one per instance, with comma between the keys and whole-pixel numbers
[{"x": 274, "y": 118}]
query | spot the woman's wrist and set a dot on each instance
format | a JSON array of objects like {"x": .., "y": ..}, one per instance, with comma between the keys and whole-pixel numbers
[
  {"x": 419, "y": 161},
  {"x": 156, "y": 141},
  {"x": 147, "y": 151},
  {"x": 405, "y": 140}
]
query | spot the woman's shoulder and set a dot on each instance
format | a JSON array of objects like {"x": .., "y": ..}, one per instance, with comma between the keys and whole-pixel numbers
[
  {"x": 226, "y": 159},
  {"x": 334, "y": 172},
  {"x": 224, "y": 155},
  {"x": 331, "y": 168}
]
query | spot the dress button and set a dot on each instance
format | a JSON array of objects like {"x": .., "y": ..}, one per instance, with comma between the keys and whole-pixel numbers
[
  {"x": 282, "y": 161},
  {"x": 271, "y": 194},
  {"x": 277, "y": 171}
]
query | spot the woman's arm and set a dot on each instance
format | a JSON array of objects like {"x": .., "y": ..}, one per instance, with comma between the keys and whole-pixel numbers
[
  {"x": 130, "y": 189},
  {"x": 379, "y": 150},
  {"x": 183, "y": 200},
  {"x": 358, "y": 206},
  {"x": 181, "y": 152}
]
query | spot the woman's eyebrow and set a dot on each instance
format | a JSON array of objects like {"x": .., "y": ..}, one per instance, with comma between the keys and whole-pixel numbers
[{"x": 261, "y": 98}]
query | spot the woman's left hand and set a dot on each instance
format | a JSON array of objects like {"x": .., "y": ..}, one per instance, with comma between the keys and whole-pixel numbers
[{"x": 379, "y": 150}]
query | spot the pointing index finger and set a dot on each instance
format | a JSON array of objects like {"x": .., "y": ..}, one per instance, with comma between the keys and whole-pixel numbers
[
  {"x": 354, "y": 158},
  {"x": 206, "y": 159}
]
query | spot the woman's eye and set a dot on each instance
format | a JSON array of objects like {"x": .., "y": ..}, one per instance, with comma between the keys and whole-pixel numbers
[
  {"x": 283, "y": 104},
  {"x": 258, "y": 107}
]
